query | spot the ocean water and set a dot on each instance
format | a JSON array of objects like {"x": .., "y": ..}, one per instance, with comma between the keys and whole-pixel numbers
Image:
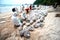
[{"x": 7, "y": 8}]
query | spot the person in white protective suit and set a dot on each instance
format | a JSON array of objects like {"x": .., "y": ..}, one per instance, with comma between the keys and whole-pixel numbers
[{"x": 16, "y": 21}]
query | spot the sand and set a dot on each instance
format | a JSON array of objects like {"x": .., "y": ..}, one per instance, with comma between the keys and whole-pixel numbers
[{"x": 50, "y": 30}]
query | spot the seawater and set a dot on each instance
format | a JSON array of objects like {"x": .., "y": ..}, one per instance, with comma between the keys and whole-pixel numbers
[{"x": 7, "y": 8}]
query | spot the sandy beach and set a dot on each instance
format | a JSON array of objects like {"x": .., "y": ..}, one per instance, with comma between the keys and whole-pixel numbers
[{"x": 50, "y": 30}]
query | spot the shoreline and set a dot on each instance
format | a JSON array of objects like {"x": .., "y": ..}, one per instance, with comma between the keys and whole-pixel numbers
[{"x": 6, "y": 14}]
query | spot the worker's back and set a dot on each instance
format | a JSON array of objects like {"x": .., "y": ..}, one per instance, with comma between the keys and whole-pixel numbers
[{"x": 15, "y": 20}]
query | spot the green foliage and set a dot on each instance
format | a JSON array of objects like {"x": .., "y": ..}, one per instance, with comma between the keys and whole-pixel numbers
[{"x": 46, "y": 2}]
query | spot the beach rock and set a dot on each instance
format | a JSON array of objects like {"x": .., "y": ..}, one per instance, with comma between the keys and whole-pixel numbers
[
  {"x": 42, "y": 19},
  {"x": 37, "y": 25},
  {"x": 31, "y": 28},
  {"x": 22, "y": 33},
  {"x": 41, "y": 25},
  {"x": 27, "y": 34}
]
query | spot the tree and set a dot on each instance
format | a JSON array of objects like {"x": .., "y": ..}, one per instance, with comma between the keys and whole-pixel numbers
[{"x": 47, "y": 2}]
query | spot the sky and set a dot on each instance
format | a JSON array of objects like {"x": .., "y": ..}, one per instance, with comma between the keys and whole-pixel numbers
[{"x": 16, "y": 1}]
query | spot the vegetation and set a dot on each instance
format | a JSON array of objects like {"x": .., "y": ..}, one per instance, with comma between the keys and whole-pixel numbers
[{"x": 47, "y": 2}]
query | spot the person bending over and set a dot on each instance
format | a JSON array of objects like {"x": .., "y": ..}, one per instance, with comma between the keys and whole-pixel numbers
[{"x": 16, "y": 21}]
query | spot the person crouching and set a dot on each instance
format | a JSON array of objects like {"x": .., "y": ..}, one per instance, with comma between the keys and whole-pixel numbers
[{"x": 16, "y": 21}]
